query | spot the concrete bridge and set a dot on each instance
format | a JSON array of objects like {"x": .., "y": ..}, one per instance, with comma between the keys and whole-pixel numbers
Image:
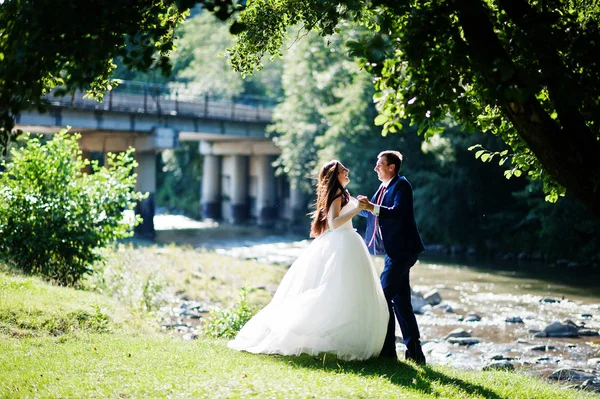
[{"x": 238, "y": 181}]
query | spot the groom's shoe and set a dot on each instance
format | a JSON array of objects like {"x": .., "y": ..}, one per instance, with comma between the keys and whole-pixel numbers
[
  {"x": 389, "y": 355},
  {"x": 415, "y": 353},
  {"x": 418, "y": 358}
]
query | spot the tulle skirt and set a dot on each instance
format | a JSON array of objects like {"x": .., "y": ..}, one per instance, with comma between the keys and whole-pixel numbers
[{"x": 329, "y": 301}]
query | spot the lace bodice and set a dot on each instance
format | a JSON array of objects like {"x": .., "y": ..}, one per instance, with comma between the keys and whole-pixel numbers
[{"x": 349, "y": 207}]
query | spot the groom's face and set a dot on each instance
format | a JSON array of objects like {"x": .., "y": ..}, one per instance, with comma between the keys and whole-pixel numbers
[{"x": 384, "y": 171}]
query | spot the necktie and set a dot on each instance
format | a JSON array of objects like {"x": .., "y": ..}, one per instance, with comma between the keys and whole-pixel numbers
[{"x": 376, "y": 224}]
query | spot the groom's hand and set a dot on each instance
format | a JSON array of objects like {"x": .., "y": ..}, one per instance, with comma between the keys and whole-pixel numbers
[{"x": 363, "y": 203}]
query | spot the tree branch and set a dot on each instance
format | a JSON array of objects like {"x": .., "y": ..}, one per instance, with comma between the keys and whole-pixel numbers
[
  {"x": 570, "y": 163},
  {"x": 561, "y": 86}
]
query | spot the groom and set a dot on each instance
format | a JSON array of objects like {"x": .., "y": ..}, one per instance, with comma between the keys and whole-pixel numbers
[{"x": 392, "y": 230}]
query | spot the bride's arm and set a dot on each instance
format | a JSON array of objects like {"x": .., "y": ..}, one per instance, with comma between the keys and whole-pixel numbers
[{"x": 335, "y": 220}]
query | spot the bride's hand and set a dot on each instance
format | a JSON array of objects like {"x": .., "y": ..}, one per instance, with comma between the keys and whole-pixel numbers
[{"x": 362, "y": 203}]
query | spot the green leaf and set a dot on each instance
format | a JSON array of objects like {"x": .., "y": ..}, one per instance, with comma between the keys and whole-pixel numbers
[{"x": 380, "y": 120}]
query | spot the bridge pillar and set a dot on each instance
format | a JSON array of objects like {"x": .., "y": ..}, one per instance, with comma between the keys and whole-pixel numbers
[
  {"x": 146, "y": 183},
  {"x": 297, "y": 207},
  {"x": 246, "y": 179},
  {"x": 239, "y": 189},
  {"x": 210, "y": 194},
  {"x": 265, "y": 191}
]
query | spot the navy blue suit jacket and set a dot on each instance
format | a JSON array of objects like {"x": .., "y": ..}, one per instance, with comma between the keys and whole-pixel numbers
[{"x": 397, "y": 235}]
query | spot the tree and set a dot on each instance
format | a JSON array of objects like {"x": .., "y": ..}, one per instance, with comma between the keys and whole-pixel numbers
[
  {"x": 327, "y": 113},
  {"x": 46, "y": 44},
  {"x": 525, "y": 70},
  {"x": 200, "y": 61},
  {"x": 522, "y": 70}
]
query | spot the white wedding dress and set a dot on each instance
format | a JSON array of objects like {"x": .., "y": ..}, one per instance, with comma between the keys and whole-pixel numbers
[{"x": 329, "y": 301}]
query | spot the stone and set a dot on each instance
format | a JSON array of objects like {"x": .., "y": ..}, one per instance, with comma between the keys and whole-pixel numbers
[
  {"x": 457, "y": 333},
  {"x": 463, "y": 341},
  {"x": 194, "y": 314},
  {"x": 433, "y": 297},
  {"x": 472, "y": 317},
  {"x": 591, "y": 385},
  {"x": 503, "y": 365},
  {"x": 586, "y": 316},
  {"x": 418, "y": 302},
  {"x": 571, "y": 375},
  {"x": 549, "y": 300},
  {"x": 559, "y": 330},
  {"x": 571, "y": 323},
  {"x": 445, "y": 307},
  {"x": 499, "y": 357},
  {"x": 586, "y": 332},
  {"x": 543, "y": 348},
  {"x": 594, "y": 362},
  {"x": 516, "y": 319},
  {"x": 438, "y": 350}
]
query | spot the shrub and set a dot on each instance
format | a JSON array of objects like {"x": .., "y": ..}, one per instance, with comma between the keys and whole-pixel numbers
[
  {"x": 227, "y": 323},
  {"x": 53, "y": 216}
]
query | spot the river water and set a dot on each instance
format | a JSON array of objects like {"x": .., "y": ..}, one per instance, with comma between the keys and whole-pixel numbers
[{"x": 536, "y": 293}]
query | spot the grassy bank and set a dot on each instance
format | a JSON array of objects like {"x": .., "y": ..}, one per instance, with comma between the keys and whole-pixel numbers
[
  {"x": 60, "y": 342},
  {"x": 124, "y": 366}
]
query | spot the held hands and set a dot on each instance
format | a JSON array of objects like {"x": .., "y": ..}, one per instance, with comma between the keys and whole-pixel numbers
[{"x": 364, "y": 203}]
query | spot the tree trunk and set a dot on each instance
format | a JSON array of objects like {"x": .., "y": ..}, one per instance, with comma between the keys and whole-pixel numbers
[{"x": 568, "y": 156}]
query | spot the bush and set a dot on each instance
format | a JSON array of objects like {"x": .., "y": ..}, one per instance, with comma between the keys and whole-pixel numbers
[
  {"x": 227, "y": 323},
  {"x": 53, "y": 216}
]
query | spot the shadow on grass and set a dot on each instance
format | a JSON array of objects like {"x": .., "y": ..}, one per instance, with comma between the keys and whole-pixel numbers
[{"x": 405, "y": 374}]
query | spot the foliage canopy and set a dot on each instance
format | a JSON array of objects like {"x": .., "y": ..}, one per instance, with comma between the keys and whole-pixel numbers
[
  {"x": 522, "y": 70},
  {"x": 525, "y": 70}
]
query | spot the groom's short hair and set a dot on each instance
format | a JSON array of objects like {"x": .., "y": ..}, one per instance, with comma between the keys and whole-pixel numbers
[{"x": 392, "y": 158}]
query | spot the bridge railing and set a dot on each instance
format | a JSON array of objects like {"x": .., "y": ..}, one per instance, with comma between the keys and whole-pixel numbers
[{"x": 171, "y": 100}]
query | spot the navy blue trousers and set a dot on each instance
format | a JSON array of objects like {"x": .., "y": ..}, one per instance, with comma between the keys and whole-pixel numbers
[{"x": 395, "y": 281}]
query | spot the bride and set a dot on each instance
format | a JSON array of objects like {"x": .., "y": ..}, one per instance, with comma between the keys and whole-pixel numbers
[{"x": 330, "y": 300}]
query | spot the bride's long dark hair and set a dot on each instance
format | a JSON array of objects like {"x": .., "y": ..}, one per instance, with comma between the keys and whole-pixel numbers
[{"x": 327, "y": 187}]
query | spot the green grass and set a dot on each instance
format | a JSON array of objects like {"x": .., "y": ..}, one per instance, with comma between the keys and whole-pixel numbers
[
  {"x": 30, "y": 307},
  {"x": 122, "y": 366},
  {"x": 59, "y": 342}
]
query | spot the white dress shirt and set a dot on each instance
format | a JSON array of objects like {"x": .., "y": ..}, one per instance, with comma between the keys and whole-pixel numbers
[{"x": 376, "y": 207}]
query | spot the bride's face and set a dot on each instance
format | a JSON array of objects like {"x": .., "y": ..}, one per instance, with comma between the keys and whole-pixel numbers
[{"x": 343, "y": 175}]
